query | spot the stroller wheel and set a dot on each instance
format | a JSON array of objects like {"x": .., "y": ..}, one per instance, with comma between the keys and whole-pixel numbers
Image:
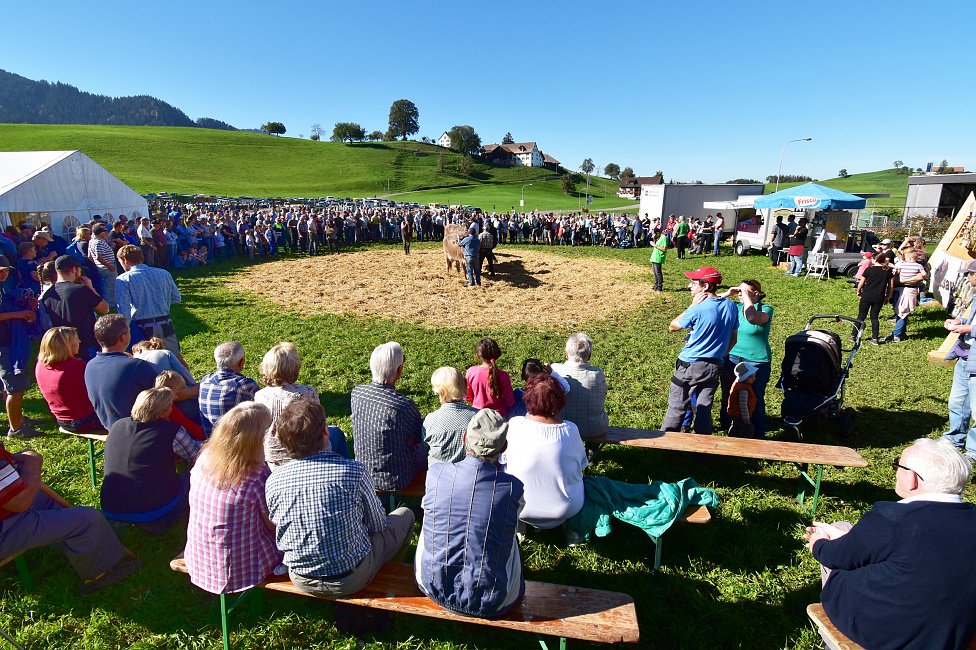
[{"x": 845, "y": 422}]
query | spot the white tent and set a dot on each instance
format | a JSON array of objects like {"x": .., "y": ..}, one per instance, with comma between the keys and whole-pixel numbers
[{"x": 63, "y": 189}]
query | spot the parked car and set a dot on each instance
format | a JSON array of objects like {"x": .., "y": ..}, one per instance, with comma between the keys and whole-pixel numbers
[{"x": 846, "y": 263}]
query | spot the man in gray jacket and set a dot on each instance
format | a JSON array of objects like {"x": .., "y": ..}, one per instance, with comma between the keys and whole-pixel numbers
[{"x": 587, "y": 388}]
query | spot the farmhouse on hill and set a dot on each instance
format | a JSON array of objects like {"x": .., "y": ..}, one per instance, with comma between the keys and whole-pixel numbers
[
  {"x": 630, "y": 188},
  {"x": 520, "y": 153},
  {"x": 444, "y": 140}
]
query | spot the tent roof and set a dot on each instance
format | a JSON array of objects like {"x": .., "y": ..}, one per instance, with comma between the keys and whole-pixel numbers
[
  {"x": 17, "y": 167},
  {"x": 811, "y": 195}
]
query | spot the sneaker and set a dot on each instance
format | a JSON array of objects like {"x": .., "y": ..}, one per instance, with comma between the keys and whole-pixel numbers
[
  {"x": 23, "y": 433},
  {"x": 113, "y": 576},
  {"x": 875, "y": 342},
  {"x": 896, "y": 339},
  {"x": 573, "y": 539}
]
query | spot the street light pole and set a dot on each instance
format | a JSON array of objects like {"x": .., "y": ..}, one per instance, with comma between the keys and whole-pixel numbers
[
  {"x": 781, "y": 159},
  {"x": 522, "y": 202}
]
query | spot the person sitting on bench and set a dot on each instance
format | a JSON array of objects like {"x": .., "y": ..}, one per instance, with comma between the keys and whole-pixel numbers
[
  {"x": 61, "y": 377},
  {"x": 891, "y": 581},
  {"x": 30, "y": 518},
  {"x": 330, "y": 523},
  {"x": 467, "y": 557}
]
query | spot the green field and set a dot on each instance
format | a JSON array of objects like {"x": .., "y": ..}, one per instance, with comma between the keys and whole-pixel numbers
[
  {"x": 743, "y": 581},
  {"x": 890, "y": 181},
  {"x": 234, "y": 163}
]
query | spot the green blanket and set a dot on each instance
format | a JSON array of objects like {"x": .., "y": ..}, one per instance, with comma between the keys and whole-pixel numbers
[{"x": 652, "y": 508}]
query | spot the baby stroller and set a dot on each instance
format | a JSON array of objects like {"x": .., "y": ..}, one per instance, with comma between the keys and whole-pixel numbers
[{"x": 814, "y": 375}]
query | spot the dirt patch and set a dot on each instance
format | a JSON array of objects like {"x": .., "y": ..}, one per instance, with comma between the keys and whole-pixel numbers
[{"x": 530, "y": 287}]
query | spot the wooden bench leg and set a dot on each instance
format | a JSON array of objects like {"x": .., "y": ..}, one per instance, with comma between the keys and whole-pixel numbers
[
  {"x": 91, "y": 460},
  {"x": 24, "y": 573},
  {"x": 657, "y": 553},
  {"x": 545, "y": 646},
  {"x": 806, "y": 479},
  {"x": 225, "y": 611}
]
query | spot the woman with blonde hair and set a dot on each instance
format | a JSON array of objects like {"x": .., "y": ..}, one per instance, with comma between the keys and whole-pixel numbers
[
  {"x": 279, "y": 372},
  {"x": 230, "y": 540},
  {"x": 142, "y": 485},
  {"x": 443, "y": 430},
  {"x": 61, "y": 377},
  {"x": 174, "y": 381}
]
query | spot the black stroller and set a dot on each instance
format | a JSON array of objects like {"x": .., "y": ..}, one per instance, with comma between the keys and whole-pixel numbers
[{"x": 814, "y": 374}]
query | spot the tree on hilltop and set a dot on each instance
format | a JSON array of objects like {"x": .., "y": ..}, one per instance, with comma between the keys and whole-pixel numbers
[
  {"x": 587, "y": 167},
  {"x": 612, "y": 170},
  {"x": 508, "y": 139},
  {"x": 316, "y": 132},
  {"x": 376, "y": 136},
  {"x": 464, "y": 140},
  {"x": 899, "y": 164},
  {"x": 843, "y": 173},
  {"x": 273, "y": 128},
  {"x": 348, "y": 131},
  {"x": 628, "y": 172},
  {"x": 404, "y": 119}
]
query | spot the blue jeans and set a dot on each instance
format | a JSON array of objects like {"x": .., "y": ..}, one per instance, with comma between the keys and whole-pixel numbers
[
  {"x": 796, "y": 265},
  {"x": 901, "y": 325},
  {"x": 718, "y": 238},
  {"x": 474, "y": 270},
  {"x": 961, "y": 397},
  {"x": 759, "y": 388}
]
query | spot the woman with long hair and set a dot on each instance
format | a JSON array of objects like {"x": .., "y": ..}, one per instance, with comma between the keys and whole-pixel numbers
[
  {"x": 230, "y": 540},
  {"x": 488, "y": 386}
]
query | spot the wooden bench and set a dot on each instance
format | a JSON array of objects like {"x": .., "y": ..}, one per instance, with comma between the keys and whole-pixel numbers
[
  {"x": 98, "y": 435},
  {"x": 829, "y": 631},
  {"x": 545, "y": 610},
  {"x": 800, "y": 454},
  {"x": 692, "y": 514}
]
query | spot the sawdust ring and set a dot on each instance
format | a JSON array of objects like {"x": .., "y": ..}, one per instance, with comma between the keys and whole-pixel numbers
[{"x": 531, "y": 288}]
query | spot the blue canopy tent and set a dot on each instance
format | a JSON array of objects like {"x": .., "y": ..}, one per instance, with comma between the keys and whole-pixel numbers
[{"x": 811, "y": 196}]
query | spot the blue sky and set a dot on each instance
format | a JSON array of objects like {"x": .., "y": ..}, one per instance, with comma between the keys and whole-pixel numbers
[{"x": 704, "y": 91}]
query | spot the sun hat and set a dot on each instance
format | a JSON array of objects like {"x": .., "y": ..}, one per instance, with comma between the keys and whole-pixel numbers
[
  {"x": 707, "y": 273},
  {"x": 41, "y": 234},
  {"x": 487, "y": 432},
  {"x": 744, "y": 370}
]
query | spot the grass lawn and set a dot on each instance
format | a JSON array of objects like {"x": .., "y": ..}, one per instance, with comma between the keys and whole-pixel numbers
[
  {"x": 886, "y": 181},
  {"x": 235, "y": 163},
  {"x": 543, "y": 195},
  {"x": 742, "y": 581}
]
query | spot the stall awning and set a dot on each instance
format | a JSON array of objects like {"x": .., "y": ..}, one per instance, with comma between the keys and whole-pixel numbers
[{"x": 811, "y": 196}]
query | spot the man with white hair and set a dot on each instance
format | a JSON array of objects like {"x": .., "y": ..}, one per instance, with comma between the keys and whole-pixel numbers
[
  {"x": 585, "y": 402},
  {"x": 386, "y": 426},
  {"x": 891, "y": 580},
  {"x": 224, "y": 389}
]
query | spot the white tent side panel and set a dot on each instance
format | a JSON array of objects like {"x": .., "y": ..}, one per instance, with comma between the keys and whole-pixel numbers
[{"x": 62, "y": 184}]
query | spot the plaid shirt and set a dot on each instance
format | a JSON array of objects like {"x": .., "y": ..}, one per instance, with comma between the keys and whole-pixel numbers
[
  {"x": 324, "y": 507},
  {"x": 220, "y": 392},
  {"x": 228, "y": 546},
  {"x": 386, "y": 435}
]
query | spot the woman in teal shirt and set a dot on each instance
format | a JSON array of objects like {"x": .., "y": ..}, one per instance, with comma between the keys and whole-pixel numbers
[{"x": 752, "y": 345}]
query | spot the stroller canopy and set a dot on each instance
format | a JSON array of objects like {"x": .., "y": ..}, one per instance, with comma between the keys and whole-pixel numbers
[{"x": 813, "y": 196}]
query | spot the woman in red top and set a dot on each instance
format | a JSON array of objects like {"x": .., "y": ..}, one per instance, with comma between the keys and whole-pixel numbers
[
  {"x": 61, "y": 377},
  {"x": 489, "y": 387}
]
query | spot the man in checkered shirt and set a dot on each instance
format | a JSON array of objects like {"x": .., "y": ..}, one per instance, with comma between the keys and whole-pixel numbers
[
  {"x": 223, "y": 390},
  {"x": 329, "y": 522}
]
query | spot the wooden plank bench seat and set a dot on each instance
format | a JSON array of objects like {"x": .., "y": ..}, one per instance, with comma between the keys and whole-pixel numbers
[
  {"x": 829, "y": 631},
  {"x": 545, "y": 610},
  {"x": 799, "y": 453},
  {"x": 97, "y": 435},
  {"x": 692, "y": 514}
]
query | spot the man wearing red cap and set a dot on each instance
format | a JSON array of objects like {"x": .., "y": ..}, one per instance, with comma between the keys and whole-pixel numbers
[{"x": 713, "y": 322}]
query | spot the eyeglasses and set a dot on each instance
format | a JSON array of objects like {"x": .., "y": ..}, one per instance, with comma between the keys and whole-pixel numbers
[{"x": 895, "y": 465}]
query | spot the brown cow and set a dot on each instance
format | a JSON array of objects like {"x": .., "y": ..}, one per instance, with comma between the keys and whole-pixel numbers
[{"x": 452, "y": 252}]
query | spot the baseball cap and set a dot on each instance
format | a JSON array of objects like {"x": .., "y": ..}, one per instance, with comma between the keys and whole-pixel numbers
[
  {"x": 487, "y": 432},
  {"x": 707, "y": 273},
  {"x": 99, "y": 229},
  {"x": 66, "y": 263},
  {"x": 970, "y": 268},
  {"x": 867, "y": 254},
  {"x": 886, "y": 241},
  {"x": 4, "y": 264}
]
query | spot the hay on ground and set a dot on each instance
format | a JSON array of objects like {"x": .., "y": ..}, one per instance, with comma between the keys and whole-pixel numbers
[{"x": 530, "y": 287}]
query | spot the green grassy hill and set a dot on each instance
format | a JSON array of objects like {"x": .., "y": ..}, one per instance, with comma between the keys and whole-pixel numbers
[
  {"x": 891, "y": 181},
  {"x": 191, "y": 160}
]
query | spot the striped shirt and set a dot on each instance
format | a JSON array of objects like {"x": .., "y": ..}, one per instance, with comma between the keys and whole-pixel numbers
[
  {"x": 145, "y": 292},
  {"x": 99, "y": 247},
  {"x": 386, "y": 435},
  {"x": 324, "y": 507},
  {"x": 908, "y": 270},
  {"x": 444, "y": 430}
]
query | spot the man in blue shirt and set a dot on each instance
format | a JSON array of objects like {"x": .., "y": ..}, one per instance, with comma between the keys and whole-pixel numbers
[
  {"x": 113, "y": 378},
  {"x": 471, "y": 246},
  {"x": 467, "y": 557},
  {"x": 143, "y": 295},
  {"x": 329, "y": 522},
  {"x": 713, "y": 322}
]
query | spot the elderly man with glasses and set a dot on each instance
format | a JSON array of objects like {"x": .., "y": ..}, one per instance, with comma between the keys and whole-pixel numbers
[{"x": 890, "y": 581}]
